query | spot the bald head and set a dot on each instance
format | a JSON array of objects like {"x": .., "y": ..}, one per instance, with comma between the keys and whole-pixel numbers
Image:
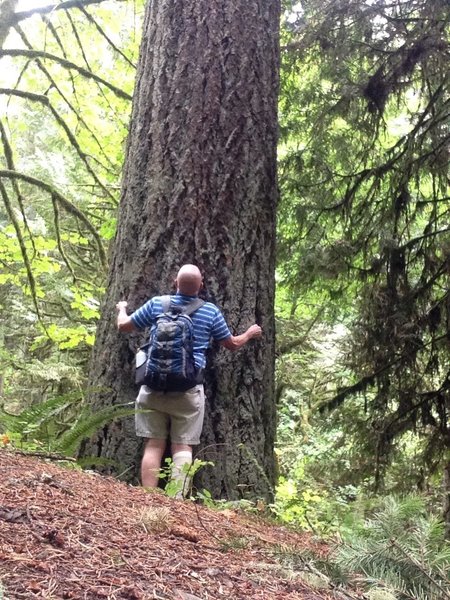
[{"x": 189, "y": 280}]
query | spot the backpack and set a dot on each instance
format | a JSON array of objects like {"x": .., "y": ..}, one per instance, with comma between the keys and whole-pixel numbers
[{"x": 166, "y": 362}]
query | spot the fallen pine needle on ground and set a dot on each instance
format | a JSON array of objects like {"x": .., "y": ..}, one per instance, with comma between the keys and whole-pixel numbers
[{"x": 65, "y": 533}]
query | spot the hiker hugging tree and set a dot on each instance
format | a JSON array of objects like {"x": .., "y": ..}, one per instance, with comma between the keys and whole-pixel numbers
[
  {"x": 199, "y": 186},
  {"x": 182, "y": 326}
]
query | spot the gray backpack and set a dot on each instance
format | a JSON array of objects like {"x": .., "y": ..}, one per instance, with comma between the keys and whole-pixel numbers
[{"x": 166, "y": 363}]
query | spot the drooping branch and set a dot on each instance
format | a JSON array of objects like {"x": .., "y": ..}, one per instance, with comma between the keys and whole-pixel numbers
[
  {"x": 411, "y": 243},
  {"x": 42, "y": 99},
  {"x": 34, "y": 54},
  {"x": 397, "y": 419},
  {"x": 64, "y": 202},
  {"x": 23, "y": 249},
  {"x": 62, "y": 94},
  {"x": 91, "y": 19},
  {"x": 10, "y": 164},
  {"x": 368, "y": 380}
]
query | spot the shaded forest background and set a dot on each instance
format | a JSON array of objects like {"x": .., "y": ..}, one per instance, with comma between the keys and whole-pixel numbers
[{"x": 363, "y": 264}]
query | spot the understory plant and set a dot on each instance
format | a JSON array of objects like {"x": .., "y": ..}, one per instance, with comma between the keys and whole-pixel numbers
[
  {"x": 58, "y": 424},
  {"x": 400, "y": 548},
  {"x": 397, "y": 552}
]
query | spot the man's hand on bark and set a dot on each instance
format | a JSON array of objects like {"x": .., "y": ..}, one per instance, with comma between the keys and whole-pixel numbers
[
  {"x": 121, "y": 304},
  {"x": 254, "y": 331}
]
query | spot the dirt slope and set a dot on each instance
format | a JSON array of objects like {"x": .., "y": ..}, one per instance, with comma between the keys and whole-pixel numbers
[{"x": 68, "y": 534}]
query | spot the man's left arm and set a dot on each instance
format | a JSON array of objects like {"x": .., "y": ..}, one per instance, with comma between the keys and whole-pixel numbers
[{"x": 124, "y": 322}]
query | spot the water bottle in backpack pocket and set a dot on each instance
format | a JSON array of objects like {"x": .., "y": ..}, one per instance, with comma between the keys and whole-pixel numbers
[{"x": 141, "y": 363}]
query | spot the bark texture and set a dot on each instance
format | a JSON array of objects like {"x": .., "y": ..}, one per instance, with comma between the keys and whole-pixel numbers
[{"x": 199, "y": 186}]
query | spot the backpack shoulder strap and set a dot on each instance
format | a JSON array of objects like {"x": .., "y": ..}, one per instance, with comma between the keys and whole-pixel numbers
[
  {"x": 190, "y": 308},
  {"x": 165, "y": 301}
]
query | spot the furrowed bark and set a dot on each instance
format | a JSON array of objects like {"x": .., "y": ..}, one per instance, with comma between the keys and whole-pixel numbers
[{"x": 199, "y": 186}]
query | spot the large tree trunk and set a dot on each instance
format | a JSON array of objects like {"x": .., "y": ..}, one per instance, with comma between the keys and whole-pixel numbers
[{"x": 199, "y": 186}]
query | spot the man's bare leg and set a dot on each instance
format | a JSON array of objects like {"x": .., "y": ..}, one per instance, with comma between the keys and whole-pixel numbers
[
  {"x": 181, "y": 456},
  {"x": 151, "y": 462}
]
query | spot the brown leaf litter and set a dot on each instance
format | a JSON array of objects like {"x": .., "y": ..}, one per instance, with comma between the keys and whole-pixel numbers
[{"x": 68, "y": 534}]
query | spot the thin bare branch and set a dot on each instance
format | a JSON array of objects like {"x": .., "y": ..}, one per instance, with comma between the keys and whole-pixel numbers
[
  {"x": 58, "y": 237},
  {"x": 83, "y": 54},
  {"x": 34, "y": 54},
  {"x": 50, "y": 8},
  {"x": 107, "y": 38}
]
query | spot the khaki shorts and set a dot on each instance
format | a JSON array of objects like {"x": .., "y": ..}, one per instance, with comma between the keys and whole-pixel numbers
[{"x": 178, "y": 415}]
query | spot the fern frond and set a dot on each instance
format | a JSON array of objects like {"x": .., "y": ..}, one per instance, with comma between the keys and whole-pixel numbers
[
  {"x": 54, "y": 372},
  {"x": 88, "y": 424},
  {"x": 34, "y": 416}
]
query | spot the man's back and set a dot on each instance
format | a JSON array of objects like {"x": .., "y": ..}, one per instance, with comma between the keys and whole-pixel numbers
[
  {"x": 207, "y": 320},
  {"x": 178, "y": 415}
]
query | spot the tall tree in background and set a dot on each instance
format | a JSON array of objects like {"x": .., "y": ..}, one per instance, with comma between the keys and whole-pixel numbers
[
  {"x": 199, "y": 186},
  {"x": 365, "y": 211}
]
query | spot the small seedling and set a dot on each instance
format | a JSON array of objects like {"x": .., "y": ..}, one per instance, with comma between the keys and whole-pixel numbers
[{"x": 181, "y": 487}]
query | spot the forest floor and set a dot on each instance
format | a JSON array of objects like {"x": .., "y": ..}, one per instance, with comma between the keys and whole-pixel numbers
[{"x": 65, "y": 533}]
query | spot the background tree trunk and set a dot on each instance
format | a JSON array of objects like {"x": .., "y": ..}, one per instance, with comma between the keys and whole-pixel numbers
[
  {"x": 199, "y": 186},
  {"x": 6, "y": 12},
  {"x": 446, "y": 502}
]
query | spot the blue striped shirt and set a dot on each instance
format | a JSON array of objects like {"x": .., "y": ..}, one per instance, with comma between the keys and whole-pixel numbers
[{"x": 208, "y": 322}]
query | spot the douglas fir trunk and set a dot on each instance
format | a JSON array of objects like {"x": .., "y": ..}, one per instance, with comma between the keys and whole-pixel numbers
[{"x": 199, "y": 186}]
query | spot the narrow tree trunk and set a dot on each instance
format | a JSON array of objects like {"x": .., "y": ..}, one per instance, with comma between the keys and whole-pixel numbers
[
  {"x": 199, "y": 186},
  {"x": 446, "y": 503},
  {"x": 6, "y": 14}
]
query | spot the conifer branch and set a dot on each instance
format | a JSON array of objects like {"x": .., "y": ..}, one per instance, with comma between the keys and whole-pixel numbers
[
  {"x": 364, "y": 382},
  {"x": 417, "y": 564}
]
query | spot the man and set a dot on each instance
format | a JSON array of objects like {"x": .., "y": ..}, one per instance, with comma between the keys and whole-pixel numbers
[{"x": 178, "y": 415}]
